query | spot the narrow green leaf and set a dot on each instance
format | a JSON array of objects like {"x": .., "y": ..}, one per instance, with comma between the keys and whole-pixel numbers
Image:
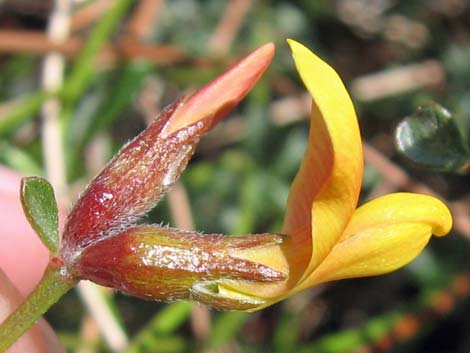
[
  {"x": 349, "y": 340},
  {"x": 171, "y": 317},
  {"x": 79, "y": 78},
  {"x": 158, "y": 331},
  {"x": 226, "y": 327},
  {"x": 20, "y": 111},
  {"x": 18, "y": 159},
  {"x": 40, "y": 208},
  {"x": 286, "y": 332},
  {"x": 430, "y": 138}
]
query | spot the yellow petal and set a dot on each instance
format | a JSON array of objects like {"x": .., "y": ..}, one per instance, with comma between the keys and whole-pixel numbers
[
  {"x": 384, "y": 235},
  {"x": 325, "y": 191},
  {"x": 402, "y": 207}
]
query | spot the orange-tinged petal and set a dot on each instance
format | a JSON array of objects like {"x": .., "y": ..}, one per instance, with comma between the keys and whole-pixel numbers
[
  {"x": 221, "y": 95},
  {"x": 325, "y": 191},
  {"x": 384, "y": 235}
]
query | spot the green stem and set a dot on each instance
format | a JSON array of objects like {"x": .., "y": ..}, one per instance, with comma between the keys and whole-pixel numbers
[{"x": 52, "y": 286}]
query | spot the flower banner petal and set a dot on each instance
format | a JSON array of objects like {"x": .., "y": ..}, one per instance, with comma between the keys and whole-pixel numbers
[
  {"x": 325, "y": 191},
  {"x": 384, "y": 235}
]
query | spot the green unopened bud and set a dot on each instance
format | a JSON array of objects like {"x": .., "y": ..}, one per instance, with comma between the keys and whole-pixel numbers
[{"x": 158, "y": 263}]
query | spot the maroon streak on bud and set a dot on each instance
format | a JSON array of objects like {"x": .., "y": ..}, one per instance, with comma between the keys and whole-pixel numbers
[
  {"x": 157, "y": 263},
  {"x": 144, "y": 169}
]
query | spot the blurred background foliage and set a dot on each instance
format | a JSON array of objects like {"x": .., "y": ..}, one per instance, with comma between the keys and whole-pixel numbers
[{"x": 124, "y": 61}]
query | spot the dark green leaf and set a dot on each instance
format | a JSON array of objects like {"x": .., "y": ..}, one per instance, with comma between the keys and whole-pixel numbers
[
  {"x": 431, "y": 138},
  {"x": 40, "y": 208}
]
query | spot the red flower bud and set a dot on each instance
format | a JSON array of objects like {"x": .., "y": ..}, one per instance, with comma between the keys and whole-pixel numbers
[
  {"x": 144, "y": 169},
  {"x": 157, "y": 263}
]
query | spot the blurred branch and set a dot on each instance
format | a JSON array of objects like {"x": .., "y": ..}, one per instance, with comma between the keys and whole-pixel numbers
[
  {"x": 20, "y": 41},
  {"x": 228, "y": 26},
  {"x": 96, "y": 302},
  {"x": 179, "y": 207},
  {"x": 16, "y": 41},
  {"x": 141, "y": 23},
  {"x": 391, "y": 82},
  {"x": 89, "y": 335},
  {"x": 87, "y": 14},
  {"x": 51, "y": 82}
]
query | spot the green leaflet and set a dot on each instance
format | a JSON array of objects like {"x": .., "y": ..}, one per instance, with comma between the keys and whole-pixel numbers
[{"x": 40, "y": 208}]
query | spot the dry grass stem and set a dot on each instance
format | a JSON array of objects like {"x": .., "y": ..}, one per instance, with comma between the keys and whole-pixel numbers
[
  {"x": 228, "y": 26},
  {"x": 141, "y": 23},
  {"x": 88, "y": 13},
  {"x": 399, "y": 80}
]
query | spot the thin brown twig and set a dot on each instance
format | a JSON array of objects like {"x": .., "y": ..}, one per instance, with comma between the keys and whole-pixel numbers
[
  {"x": 399, "y": 179},
  {"x": 179, "y": 207},
  {"x": 94, "y": 298},
  {"x": 30, "y": 42},
  {"x": 51, "y": 82},
  {"x": 88, "y": 13},
  {"x": 201, "y": 323},
  {"x": 228, "y": 26},
  {"x": 158, "y": 54},
  {"x": 89, "y": 334},
  {"x": 140, "y": 25},
  {"x": 392, "y": 82}
]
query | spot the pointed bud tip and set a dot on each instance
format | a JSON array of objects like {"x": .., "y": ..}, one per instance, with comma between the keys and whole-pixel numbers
[{"x": 222, "y": 94}]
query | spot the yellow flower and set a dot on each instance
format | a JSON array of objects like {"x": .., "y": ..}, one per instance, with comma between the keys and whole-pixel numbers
[
  {"x": 324, "y": 237},
  {"x": 328, "y": 237}
]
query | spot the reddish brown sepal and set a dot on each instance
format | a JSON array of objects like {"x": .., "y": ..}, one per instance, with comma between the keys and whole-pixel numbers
[
  {"x": 165, "y": 264},
  {"x": 131, "y": 183}
]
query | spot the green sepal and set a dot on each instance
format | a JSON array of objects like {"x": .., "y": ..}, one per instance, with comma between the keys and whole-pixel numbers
[
  {"x": 40, "y": 208},
  {"x": 431, "y": 138}
]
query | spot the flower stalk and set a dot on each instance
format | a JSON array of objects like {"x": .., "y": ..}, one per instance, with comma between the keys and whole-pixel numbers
[{"x": 53, "y": 285}]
